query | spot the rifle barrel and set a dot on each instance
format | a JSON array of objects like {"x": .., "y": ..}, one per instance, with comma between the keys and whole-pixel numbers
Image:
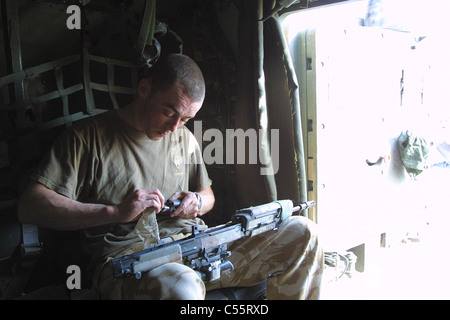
[{"x": 304, "y": 206}]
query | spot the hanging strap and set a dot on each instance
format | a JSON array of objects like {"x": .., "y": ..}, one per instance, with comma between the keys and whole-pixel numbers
[
  {"x": 146, "y": 34},
  {"x": 148, "y": 25}
]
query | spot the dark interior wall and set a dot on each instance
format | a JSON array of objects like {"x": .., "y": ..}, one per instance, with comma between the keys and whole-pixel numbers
[
  {"x": 206, "y": 42},
  {"x": 108, "y": 30}
]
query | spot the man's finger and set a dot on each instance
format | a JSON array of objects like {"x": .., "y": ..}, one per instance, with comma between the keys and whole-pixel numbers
[
  {"x": 187, "y": 208},
  {"x": 157, "y": 193}
]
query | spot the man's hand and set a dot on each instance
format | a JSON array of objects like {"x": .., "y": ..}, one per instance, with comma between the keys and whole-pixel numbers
[
  {"x": 188, "y": 208},
  {"x": 131, "y": 208}
]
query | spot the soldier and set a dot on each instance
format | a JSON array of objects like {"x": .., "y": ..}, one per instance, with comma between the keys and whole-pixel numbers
[{"x": 109, "y": 176}]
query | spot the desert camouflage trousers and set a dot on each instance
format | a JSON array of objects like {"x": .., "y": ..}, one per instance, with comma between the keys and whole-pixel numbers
[{"x": 290, "y": 259}]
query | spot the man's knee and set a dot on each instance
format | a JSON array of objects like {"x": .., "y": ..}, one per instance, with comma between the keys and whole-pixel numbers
[
  {"x": 174, "y": 281},
  {"x": 300, "y": 229}
]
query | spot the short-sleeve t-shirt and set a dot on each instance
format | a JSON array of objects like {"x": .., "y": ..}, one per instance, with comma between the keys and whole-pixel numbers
[{"x": 102, "y": 159}]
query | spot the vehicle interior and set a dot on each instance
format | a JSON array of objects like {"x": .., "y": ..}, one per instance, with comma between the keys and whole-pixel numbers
[{"x": 347, "y": 101}]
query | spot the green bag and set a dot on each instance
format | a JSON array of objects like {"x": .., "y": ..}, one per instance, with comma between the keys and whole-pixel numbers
[{"x": 414, "y": 152}]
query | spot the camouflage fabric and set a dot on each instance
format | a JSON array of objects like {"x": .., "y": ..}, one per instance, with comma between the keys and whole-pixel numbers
[
  {"x": 291, "y": 259},
  {"x": 171, "y": 281}
]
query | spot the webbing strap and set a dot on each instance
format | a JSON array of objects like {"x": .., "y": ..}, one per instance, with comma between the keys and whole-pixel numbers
[
  {"x": 64, "y": 97},
  {"x": 63, "y": 93},
  {"x": 145, "y": 36},
  {"x": 33, "y": 71},
  {"x": 90, "y": 104},
  {"x": 110, "y": 87}
]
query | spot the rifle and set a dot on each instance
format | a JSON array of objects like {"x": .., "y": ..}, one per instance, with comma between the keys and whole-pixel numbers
[
  {"x": 206, "y": 251},
  {"x": 170, "y": 206}
]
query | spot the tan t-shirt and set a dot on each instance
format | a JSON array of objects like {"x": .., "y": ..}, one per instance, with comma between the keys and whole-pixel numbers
[{"x": 102, "y": 160}]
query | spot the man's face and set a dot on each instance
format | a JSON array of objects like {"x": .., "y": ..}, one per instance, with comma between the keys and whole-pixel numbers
[{"x": 165, "y": 111}]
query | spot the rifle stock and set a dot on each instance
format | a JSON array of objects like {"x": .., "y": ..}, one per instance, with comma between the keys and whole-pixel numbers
[{"x": 206, "y": 251}]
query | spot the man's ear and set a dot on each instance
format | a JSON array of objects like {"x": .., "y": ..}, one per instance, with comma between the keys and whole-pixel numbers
[{"x": 144, "y": 88}]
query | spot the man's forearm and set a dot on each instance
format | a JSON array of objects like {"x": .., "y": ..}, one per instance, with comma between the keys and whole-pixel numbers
[
  {"x": 208, "y": 200},
  {"x": 44, "y": 207}
]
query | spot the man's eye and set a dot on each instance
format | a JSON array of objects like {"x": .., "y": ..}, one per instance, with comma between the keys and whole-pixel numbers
[{"x": 170, "y": 114}]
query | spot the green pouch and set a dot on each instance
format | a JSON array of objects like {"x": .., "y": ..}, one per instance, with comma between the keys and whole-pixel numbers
[{"x": 414, "y": 152}]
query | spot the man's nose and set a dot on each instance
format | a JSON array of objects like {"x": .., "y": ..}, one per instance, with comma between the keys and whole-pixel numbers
[{"x": 174, "y": 124}]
